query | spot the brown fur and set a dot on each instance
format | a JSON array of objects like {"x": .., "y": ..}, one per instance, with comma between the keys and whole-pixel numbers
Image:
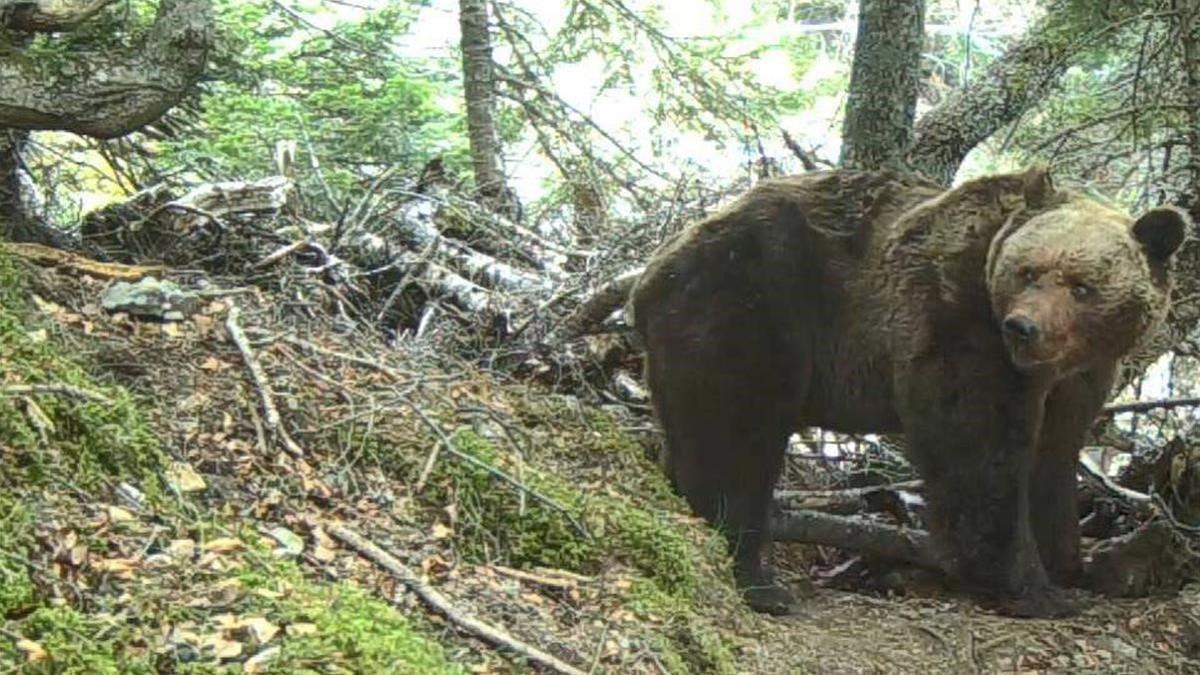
[{"x": 873, "y": 302}]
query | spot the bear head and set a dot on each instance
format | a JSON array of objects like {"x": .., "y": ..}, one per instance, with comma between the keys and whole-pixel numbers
[{"x": 1075, "y": 283}]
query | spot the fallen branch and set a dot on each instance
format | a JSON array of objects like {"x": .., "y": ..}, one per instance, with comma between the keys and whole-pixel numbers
[
  {"x": 213, "y": 201},
  {"x": 56, "y": 389},
  {"x": 48, "y": 17},
  {"x": 597, "y": 307},
  {"x": 850, "y": 500},
  {"x": 372, "y": 251},
  {"x": 416, "y": 228},
  {"x": 270, "y": 412},
  {"x": 1146, "y": 406},
  {"x": 1091, "y": 469},
  {"x": 857, "y": 534},
  {"x": 440, "y": 603},
  {"x": 48, "y": 256}
]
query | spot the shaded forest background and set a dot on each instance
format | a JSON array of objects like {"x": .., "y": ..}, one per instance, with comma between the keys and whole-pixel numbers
[{"x": 403, "y": 212}]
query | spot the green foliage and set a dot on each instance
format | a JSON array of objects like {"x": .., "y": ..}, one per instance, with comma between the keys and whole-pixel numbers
[{"x": 352, "y": 103}]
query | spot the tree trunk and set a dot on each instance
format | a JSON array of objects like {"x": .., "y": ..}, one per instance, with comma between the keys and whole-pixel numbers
[
  {"x": 882, "y": 98},
  {"x": 480, "y": 93}
]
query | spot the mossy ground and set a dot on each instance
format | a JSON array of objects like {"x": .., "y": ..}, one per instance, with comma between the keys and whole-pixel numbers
[{"x": 72, "y": 602}]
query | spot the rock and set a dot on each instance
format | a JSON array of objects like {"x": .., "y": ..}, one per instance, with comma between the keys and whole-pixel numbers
[{"x": 150, "y": 298}]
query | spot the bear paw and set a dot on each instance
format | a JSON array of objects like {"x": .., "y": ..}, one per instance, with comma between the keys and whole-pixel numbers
[
  {"x": 1049, "y": 603},
  {"x": 773, "y": 598}
]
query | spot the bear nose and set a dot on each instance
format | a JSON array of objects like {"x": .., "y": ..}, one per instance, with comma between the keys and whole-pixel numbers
[{"x": 1021, "y": 327}]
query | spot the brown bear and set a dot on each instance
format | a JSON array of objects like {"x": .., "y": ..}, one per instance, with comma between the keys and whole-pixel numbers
[{"x": 984, "y": 322}]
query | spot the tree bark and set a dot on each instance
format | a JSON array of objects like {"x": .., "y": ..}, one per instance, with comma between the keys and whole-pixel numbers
[
  {"x": 479, "y": 89},
  {"x": 106, "y": 97},
  {"x": 1012, "y": 84},
  {"x": 882, "y": 99},
  {"x": 17, "y": 224}
]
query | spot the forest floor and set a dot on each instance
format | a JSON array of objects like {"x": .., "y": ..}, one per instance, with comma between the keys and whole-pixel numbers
[{"x": 155, "y": 523}]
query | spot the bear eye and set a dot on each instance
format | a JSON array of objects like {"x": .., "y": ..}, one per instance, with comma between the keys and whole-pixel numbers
[
  {"x": 1028, "y": 275},
  {"x": 1080, "y": 291}
]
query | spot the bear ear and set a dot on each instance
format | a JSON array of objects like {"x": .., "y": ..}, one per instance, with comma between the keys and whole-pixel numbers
[
  {"x": 1161, "y": 231},
  {"x": 1038, "y": 186}
]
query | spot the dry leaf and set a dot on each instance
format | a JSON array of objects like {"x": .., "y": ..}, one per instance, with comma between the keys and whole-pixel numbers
[
  {"x": 441, "y": 531},
  {"x": 225, "y": 649},
  {"x": 183, "y": 478},
  {"x": 181, "y": 549},
  {"x": 33, "y": 651},
  {"x": 290, "y": 542},
  {"x": 259, "y": 628},
  {"x": 117, "y": 515},
  {"x": 120, "y": 567},
  {"x": 224, "y": 545}
]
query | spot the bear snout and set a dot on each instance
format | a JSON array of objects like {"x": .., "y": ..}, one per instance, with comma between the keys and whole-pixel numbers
[{"x": 1020, "y": 328}]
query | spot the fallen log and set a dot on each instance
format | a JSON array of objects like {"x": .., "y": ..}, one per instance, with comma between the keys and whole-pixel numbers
[{"x": 856, "y": 534}]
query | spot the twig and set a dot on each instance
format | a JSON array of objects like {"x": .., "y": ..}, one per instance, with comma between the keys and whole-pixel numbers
[
  {"x": 448, "y": 446},
  {"x": 356, "y": 360},
  {"x": 1146, "y": 406},
  {"x": 270, "y": 412},
  {"x": 430, "y": 462},
  {"x": 440, "y": 603},
  {"x": 805, "y": 159},
  {"x": 280, "y": 253},
  {"x": 59, "y": 389},
  {"x": 545, "y": 579}
]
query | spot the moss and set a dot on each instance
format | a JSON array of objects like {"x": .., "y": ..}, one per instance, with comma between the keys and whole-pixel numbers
[
  {"x": 78, "y": 643},
  {"x": 16, "y": 589},
  {"x": 347, "y": 631},
  {"x": 668, "y": 563},
  {"x": 59, "y": 439},
  {"x": 491, "y": 520},
  {"x": 349, "y": 628},
  {"x": 687, "y": 642}
]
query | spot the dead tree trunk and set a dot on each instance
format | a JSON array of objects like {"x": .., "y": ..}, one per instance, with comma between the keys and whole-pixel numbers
[
  {"x": 882, "y": 100},
  {"x": 480, "y": 93}
]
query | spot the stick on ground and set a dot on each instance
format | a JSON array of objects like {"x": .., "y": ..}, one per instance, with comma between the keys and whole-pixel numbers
[
  {"x": 270, "y": 412},
  {"x": 441, "y": 604}
]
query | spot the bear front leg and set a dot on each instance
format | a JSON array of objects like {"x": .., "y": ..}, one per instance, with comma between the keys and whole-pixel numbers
[
  {"x": 1070, "y": 410},
  {"x": 1055, "y": 511},
  {"x": 971, "y": 423}
]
